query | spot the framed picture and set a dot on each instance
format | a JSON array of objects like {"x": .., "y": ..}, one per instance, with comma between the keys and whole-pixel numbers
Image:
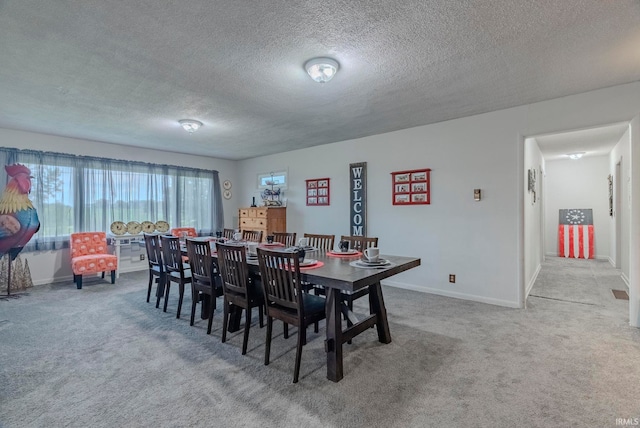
[
  {"x": 317, "y": 191},
  {"x": 411, "y": 187}
]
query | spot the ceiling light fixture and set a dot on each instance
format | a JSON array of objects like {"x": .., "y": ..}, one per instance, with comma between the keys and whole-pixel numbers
[
  {"x": 322, "y": 69},
  {"x": 190, "y": 125},
  {"x": 576, "y": 155}
]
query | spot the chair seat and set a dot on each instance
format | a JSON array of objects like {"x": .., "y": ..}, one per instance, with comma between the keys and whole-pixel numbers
[
  {"x": 176, "y": 275},
  {"x": 313, "y": 305},
  {"x": 93, "y": 263}
]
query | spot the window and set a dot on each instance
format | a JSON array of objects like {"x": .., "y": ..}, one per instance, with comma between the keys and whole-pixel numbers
[
  {"x": 76, "y": 193},
  {"x": 277, "y": 178}
]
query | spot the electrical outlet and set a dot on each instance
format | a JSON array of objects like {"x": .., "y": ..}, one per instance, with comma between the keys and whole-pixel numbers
[
  {"x": 452, "y": 278},
  {"x": 141, "y": 256}
]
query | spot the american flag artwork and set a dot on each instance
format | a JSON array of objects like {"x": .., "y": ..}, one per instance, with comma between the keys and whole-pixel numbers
[{"x": 575, "y": 234}]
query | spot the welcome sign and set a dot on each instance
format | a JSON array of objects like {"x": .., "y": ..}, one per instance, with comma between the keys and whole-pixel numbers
[{"x": 358, "y": 195}]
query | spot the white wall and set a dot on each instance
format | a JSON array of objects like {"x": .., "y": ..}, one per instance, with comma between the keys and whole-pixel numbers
[
  {"x": 620, "y": 154},
  {"x": 580, "y": 183},
  {"x": 533, "y": 214},
  {"x": 453, "y": 235},
  {"x": 481, "y": 242},
  {"x": 634, "y": 224},
  {"x": 47, "y": 266}
]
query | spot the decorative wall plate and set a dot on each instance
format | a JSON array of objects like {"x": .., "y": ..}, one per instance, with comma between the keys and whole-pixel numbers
[
  {"x": 148, "y": 227},
  {"x": 226, "y": 184},
  {"x": 162, "y": 226},
  {"x": 227, "y": 194},
  {"x": 118, "y": 228},
  {"x": 133, "y": 227}
]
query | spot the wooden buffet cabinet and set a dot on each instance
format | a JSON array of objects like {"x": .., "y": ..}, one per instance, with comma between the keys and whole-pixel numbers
[{"x": 266, "y": 219}]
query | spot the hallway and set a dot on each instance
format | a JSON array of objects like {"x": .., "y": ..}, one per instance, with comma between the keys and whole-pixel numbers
[{"x": 583, "y": 282}]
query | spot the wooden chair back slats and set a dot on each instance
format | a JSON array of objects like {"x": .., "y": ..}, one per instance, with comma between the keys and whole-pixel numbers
[
  {"x": 322, "y": 242},
  {"x": 285, "y": 238},
  {"x": 228, "y": 233},
  {"x": 360, "y": 242},
  {"x": 252, "y": 235},
  {"x": 280, "y": 274},
  {"x": 232, "y": 261},
  {"x": 199, "y": 253},
  {"x": 172, "y": 254},
  {"x": 154, "y": 251}
]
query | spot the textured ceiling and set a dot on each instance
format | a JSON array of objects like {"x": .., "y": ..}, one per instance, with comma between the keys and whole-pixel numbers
[{"x": 125, "y": 72}]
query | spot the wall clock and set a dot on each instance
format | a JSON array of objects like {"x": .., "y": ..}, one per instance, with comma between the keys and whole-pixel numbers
[
  {"x": 226, "y": 184},
  {"x": 227, "y": 194}
]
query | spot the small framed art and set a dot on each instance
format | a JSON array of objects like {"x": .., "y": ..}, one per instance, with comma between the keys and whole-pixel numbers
[
  {"x": 411, "y": 187},
  {"x": 318, "y": 191}
]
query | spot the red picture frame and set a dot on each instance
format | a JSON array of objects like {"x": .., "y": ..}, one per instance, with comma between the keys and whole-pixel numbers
[
  {"x": 318, "y": 192},
  {"x": 411, "y": 187}
]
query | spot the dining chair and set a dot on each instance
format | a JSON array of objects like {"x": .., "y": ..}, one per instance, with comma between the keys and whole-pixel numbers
[
  {"x": 90, "y": 255},
  {"x": 252, "y": 235},
  {"x": 189, "y": 231},
  {"x": 175, "y": 269},
  {"x": 228, "y": 233},
  {"x": 156, "y": 265},
  {"x": 285, "y": 300},
  {"x": 203, "y": 279},
  {"x": 321, "y": 242},
  {"x": 360, "y": 243},
  {"x": 239, "y": 288},
  {"x": 288, "y": 239}
]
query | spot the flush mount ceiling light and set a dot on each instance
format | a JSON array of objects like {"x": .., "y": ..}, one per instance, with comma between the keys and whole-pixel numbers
[
  {"x": 190, "y": 125},
  {"x": 576, "y": 155},
  {"x": 322, "y": 69}
]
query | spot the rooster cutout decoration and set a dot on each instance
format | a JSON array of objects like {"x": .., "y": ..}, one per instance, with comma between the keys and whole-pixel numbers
[{"x": 18, "y": 218}]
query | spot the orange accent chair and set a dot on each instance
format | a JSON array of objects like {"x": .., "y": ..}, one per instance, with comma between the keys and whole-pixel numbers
[
  {"x": 191, "y": 232},
  {"x": 89, "y": 255}
]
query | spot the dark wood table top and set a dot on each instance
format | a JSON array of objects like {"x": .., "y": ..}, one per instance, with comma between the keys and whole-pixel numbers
[{"x": 338, "y": 273}]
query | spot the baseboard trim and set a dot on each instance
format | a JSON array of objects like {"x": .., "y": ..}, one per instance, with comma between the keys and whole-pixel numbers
[
  {"x": 532, "y": 281},
  {"x": 625, "y": 279},
  {"x": 453, "y": 294}
]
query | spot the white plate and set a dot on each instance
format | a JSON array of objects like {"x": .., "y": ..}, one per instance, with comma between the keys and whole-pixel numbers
[
  {"x": 308, "y": 262},
  {"x": 379, "y": 262},
  {"x": 348, "y": 252}
]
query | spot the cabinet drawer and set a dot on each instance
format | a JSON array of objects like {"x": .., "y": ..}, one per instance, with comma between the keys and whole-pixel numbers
[
  {"x": 244, "y": 213},
  {"x": 261, "y": 213},
  {"x": 253, "y": 223}
]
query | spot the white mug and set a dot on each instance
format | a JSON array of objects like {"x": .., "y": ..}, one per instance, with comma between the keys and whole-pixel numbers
[
  {"x": 237, "y": 236},
  {"x": 303, "y": 242},
  {"x": 372, "y": 254}
]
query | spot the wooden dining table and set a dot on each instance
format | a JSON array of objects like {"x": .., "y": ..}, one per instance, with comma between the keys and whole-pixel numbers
[{"x": 336, "y": 274}]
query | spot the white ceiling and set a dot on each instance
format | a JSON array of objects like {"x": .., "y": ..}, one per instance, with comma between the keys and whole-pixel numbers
[
  {"x": 593, "y": 142},
  {"x": 125, "y": 72}
]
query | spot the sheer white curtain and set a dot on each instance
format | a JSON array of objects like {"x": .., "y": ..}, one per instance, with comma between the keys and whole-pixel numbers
[{"x": 79, "y": 193}]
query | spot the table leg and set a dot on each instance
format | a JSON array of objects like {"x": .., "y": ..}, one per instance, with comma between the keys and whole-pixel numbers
[
  {"x": 235, "y": 317},
  {"x": 333, "y": 344},
  {"x": 205, "y": 306},
  {"x": 376, "y": 304}
]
